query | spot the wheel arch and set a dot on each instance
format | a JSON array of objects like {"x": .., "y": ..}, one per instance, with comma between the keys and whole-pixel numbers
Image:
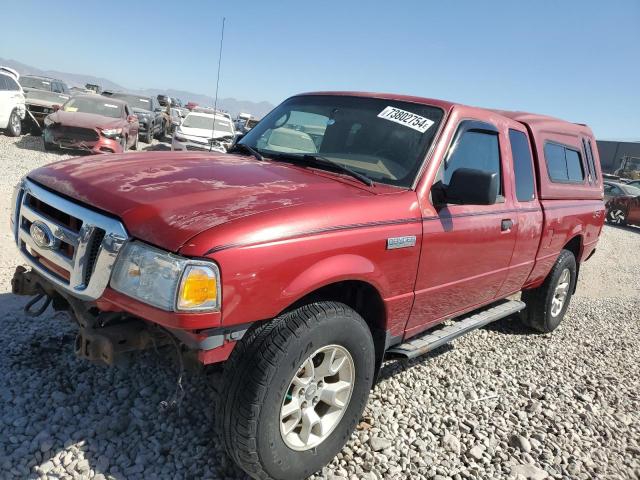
[
  {"x": 575, "y": 245},
  {"x": 363, "y": 297}
]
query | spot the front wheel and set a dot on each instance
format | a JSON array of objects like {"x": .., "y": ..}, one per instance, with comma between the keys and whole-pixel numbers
[
  {"x": 294, "y": 389},
  {"x": 547, "y": 304},
  {"x": 14, "y": 129},
  {"x": 616, "y": 216}
]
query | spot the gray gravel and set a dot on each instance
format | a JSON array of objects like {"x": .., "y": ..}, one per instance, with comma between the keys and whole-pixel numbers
[{"x": 499, "y": 403}]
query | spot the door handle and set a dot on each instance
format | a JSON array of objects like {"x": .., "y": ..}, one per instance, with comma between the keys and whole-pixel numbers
[{"x": 506, "y": 224}]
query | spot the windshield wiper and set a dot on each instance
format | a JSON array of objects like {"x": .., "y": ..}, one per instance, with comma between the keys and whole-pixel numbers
[
  {"x": 319, "y": 161},
  {"x": 248, "y": 149}
]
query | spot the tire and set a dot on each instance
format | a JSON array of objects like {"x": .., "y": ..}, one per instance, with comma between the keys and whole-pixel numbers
[
  {"x": 543, "y": 312},
  {"x": 265, "y": 370},
  {"x": 50, "y": 147},
  {"x": 14, "y": 127},
  {"x": 616, "y": 216}
]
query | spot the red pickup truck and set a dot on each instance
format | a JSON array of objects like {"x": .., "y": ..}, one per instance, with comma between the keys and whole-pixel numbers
[{"x": 342, "y": 228}]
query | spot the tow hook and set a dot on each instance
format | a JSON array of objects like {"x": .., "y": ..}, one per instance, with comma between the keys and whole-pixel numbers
[{"x": 25, "y": 282}]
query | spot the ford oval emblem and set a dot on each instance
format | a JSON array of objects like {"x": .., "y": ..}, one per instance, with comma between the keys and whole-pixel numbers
[{"x": 41, "y": 235}]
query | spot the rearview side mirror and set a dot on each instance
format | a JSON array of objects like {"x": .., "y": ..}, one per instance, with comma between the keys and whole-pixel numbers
[{"x": 469, "y": 186}]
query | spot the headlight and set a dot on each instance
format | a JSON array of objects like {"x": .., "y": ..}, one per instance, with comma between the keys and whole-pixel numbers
[
  {"x": 165, "y": 280},
  {"x": 111, "y": 132}
]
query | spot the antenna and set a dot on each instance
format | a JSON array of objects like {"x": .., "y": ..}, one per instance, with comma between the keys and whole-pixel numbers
[{"x": 215, "y": 102}]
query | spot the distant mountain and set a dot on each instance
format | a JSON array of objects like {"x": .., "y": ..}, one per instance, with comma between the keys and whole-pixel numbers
[{"x": 232, "y": 105}]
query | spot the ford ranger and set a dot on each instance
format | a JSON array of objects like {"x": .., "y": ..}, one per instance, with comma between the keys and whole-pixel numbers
[{"x": 343, "y": 228}]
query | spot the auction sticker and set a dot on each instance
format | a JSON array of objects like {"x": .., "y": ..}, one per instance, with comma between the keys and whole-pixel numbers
[{"x": 408, "y": 119}]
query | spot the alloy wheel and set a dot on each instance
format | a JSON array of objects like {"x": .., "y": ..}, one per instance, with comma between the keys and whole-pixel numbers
[
  {"x": 317, "y": 397},
  {"x": 561, "y": 292}
]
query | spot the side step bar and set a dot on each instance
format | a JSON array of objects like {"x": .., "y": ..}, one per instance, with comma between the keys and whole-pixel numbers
[{"x": 432, "y": 339}]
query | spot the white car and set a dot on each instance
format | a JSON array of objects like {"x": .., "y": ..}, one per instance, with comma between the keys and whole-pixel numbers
[
  {"x": 12, "y": 108},
  {"x": 197, "y": 132}
]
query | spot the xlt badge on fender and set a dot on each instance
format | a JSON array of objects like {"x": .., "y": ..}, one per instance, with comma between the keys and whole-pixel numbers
[{"x": 401, "y": 242}]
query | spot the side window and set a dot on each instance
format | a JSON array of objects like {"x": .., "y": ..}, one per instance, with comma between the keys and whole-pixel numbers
[
  {"x": 522, "y": 166},
  {"x": 12, "y": 84},
  {"x": 563, "y": 164},
  {"x": 475, "y": 149},
  {"x": 3, "y": 83},
  {"x": 574, "y": 165},
  {"x": 592, "y": 161}
]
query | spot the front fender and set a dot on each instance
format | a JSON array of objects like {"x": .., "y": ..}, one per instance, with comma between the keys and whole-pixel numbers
[{"x": 332, "y": 270}]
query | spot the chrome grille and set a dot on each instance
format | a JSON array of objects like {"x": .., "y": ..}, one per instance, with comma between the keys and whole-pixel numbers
[{"x": 84, "y": 245}]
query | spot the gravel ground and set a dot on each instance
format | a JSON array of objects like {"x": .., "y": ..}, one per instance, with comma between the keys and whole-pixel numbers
[{"x": 499, "y": 403}]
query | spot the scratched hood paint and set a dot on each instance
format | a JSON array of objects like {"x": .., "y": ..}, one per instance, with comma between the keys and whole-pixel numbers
[{"x": 166, "y": 198}]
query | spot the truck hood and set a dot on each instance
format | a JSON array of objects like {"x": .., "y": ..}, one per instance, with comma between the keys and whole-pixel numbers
[
  {"x": 85, "y": 120},
  {"x": 166, "y": 198}
]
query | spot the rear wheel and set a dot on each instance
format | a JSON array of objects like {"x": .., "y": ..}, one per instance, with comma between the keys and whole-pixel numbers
[
  {"x": 616, "y": 216},
  {"x": 547, "y": 304},
  {"x": 294, "y": 389},
  {"x": 14, "y": 129}
]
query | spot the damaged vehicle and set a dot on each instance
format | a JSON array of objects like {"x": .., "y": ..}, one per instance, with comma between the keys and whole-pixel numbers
[
  {"x": 623, "y": 203},
  {"x": 47, "y": 84},
  {"x": 197, "y": 132},
  {"x": 92, "y": 123},
  {"x": 41, "y": 103},
  {"x": 150, "y": 114},
  {"x": 343, "y": 229}
]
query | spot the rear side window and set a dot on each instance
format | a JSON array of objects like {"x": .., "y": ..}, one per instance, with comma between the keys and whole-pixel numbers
[
  {"x": 522, "y": 166},
  {"x": 563, "y": 164},
  {"x": 3, "y": 83},
  {"x": 590, "y": 160}
]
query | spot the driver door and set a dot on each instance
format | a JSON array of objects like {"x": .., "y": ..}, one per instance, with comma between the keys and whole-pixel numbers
[{"x": 466, "y": 249}]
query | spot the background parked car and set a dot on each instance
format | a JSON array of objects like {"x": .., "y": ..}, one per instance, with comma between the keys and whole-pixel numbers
[
  {"x": 92, "y": 123},
  {"x": 149, "y": 112},
  {"x": 622, "y": 202},
  {"x": 35, "y": 82},
  {"x": 12, "y": 107},
  {"x": 41, "y": 103},
  {"x": 197, "y": 132},
  {"x": 634, "y": 183}
]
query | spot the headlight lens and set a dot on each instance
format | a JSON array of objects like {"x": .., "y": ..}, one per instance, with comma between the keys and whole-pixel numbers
[
  {"x": 166, "y": 281},
  {"x": 111, "y": 132}
]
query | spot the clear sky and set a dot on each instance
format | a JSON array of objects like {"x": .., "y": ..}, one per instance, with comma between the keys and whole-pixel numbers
[{"x": 579, "y": 60}]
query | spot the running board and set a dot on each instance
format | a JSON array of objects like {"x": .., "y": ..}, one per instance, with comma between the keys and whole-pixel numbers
[{"x": 432, "y": 339}]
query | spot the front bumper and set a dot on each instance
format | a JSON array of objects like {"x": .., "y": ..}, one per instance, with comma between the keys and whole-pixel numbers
[
  {"x": 72, "y": 142},
  {"x": 179, "y": 145},
  {"x": 74, "y": 268}
]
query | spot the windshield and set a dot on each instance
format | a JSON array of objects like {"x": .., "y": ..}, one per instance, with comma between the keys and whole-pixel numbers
[
  {"x": 97, "y": 106},
  {"x": 56, "y": 98},
  {"x": 206, "y": 122},
  {"x": 38, "y": 83},
  {"x": 134, "y": 101},
  {"x": 383, "y": 139}
]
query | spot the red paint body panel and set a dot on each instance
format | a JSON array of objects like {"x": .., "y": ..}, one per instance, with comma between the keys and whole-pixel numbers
[{"x": 279, "y": 232}]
